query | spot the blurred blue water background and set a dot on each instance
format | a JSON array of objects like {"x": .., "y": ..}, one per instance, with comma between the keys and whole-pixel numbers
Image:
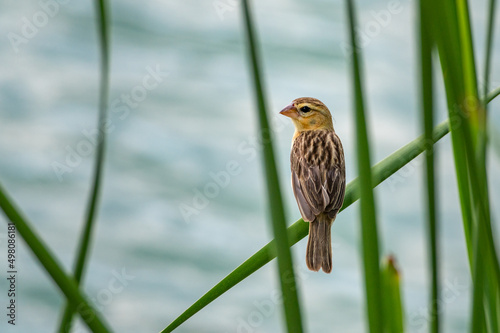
[{"x": 196, "y": 119}]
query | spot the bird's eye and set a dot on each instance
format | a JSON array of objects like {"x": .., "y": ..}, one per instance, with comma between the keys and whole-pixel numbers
[{"x": 305, "y": 109}]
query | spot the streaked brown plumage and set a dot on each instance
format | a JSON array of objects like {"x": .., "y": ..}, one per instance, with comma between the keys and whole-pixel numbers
[{"x": 318, "y": 175}]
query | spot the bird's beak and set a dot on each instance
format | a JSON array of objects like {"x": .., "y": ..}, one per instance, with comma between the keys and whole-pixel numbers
[{"x": 290, "y": 111}]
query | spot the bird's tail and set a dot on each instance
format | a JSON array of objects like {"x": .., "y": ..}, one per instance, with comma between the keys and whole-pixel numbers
[{"x": 319, "y": 245}]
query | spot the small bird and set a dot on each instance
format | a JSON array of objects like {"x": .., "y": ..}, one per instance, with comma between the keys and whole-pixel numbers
[{"x": 318, "y": 175}]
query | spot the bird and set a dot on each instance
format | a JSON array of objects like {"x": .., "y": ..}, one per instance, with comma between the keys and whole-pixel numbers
[{"x": 318, "y": 175}]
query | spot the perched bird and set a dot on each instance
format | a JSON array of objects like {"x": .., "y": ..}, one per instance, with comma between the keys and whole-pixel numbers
[{"x": 318, "y": 175}]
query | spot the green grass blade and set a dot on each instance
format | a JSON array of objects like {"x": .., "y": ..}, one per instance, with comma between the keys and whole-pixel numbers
[
  {"x": 478, "y": 290},
  {"x": 475, "y": 112},
  {"x": 84, "y": 243},
  {"x": 492, "y": 286},
  {"x": 285, "y": 263},
  {"x": 489, "y": 45},
  {"x": 380, "y": 172},
  {"x": 474, "y": 130},
  {"x": 426, "y": 90},
  {"x": 369, "y": 234},
  {"x": 483, "y": 130},
  {"x": 67, "y": 284},
  {"x": 492, "y": 95},
  {"x": 393, "y": 307},
  {"x": 442, "y": 26},
  {"x": 469, "y": 67},
  {"x": 451, "y": 28}
]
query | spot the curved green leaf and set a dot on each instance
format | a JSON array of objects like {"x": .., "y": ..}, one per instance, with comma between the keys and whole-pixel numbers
[
  {"x": 380, "y": 172},
  {"x": 67, "y": 284},
  {"x": 492, "y": 94}
]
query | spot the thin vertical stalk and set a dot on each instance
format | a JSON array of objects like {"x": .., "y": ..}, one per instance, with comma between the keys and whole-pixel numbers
[
  {"x": 369, "y": 234},
  {"x": 483, "y": 138},
  {"x": 426, "y": 90},
  {"x": 489, "y": 47},
  {"x": 493, "y": 291},
  {"x": 483, "y": 126},
  {"x": 285, "y": 264},
  {"x": 91, "y": 212}
]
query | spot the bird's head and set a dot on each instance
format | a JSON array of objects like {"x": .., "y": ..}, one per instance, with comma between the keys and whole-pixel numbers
[{"x": 308, "y": 114}]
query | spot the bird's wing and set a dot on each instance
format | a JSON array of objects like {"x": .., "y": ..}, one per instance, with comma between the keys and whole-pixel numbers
[
  {"x": 318, "y": 176},
  {"x": 303, "y": 202},
  {"x": 336, "y": 190}
]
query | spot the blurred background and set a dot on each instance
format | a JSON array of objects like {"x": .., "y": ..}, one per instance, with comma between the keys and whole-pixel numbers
[{"x": 183, "y": 198}]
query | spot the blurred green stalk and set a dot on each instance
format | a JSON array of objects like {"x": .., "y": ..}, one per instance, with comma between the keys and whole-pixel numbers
[{"x": 86, "y": 236}]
